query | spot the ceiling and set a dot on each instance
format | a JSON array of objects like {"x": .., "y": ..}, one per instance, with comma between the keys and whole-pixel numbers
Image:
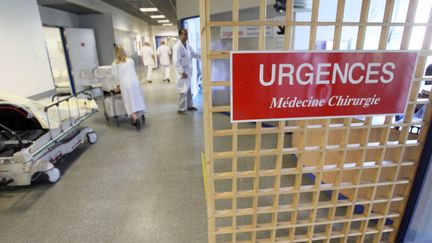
[
  {"x": 67, "y": 6},
  {"x": 165, "y": 7}
]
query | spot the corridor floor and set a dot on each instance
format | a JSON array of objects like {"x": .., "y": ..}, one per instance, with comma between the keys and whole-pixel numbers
[{"x": 129, "y": 187}]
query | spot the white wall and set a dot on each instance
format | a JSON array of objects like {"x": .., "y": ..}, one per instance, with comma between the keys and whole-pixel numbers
[
  {"x": 127, "y": 41},
  {"x": 121, "y": 20},
  {"x": 57, "y": 18},
  {"x": 102, "y": 25},
  {"x": 24, "y": 66},
  {"x": 165, "y": 30}
]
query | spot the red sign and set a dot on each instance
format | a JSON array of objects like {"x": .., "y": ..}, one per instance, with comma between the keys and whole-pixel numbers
[{"x": 295, "y": 85}]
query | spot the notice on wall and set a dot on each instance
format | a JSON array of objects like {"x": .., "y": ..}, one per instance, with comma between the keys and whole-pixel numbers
[
  {"x": 244, "y": 32},
  {"x": 269, "y": 86}
]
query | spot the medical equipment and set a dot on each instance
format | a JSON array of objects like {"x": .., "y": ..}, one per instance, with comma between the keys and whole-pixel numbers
[
  {"x": 34, "y": 136},
  {"x": 112, "y": 98},
  {"x": 89, "y": 80},
  {"x": 61, "y": 82}
]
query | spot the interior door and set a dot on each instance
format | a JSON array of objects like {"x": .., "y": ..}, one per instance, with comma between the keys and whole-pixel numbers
[
  {"x": 81, "y": 46},
  {"x": 57, "y": 58}
]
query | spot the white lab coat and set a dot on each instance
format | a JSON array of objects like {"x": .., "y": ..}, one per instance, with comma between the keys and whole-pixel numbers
[
  {"x": 132, "y": 94},
  {"x": 183, "y": 63},
  {"x": 164, "y": 53},
  {"x": 147, "y": 56}
]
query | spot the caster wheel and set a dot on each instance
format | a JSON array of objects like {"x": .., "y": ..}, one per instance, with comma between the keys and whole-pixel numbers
[
  {"x": 138, "y": 125},
  {"x": 92, "y": 137},
  {"x": 53, "y": 175},
  {"x": 36, "y": 176},
  {"x": 143, "y": 118},
  {"x": 117, "y": 121}
]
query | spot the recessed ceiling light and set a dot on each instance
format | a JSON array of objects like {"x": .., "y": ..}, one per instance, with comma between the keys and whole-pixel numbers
[
  {"x": 163, "y": 21},
  {"x": 157, "y": 16},
  {"x": 167, "y": 24},
  {"x": 148, "y": 9}
]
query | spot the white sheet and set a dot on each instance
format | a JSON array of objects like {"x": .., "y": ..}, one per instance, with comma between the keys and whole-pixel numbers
[{"x": 37, "y": 109}]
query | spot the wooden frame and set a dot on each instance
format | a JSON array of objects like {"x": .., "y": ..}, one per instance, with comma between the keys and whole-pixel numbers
[{"x": 340, "y": 179}]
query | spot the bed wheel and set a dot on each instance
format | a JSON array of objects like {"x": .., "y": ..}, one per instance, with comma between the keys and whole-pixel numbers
[
  {"x": 53, "y": 175},
  {"x": 117, "y": 122},
  {"x": 138, "y": 125},
  {"x": 92, "y": 137},
  {"x": 143, "y": 118}
]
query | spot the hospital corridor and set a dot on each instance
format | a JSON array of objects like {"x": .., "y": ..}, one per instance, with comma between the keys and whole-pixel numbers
[
  {"x": 141, "y": 187},
  {"x": 216, "y": 121}
]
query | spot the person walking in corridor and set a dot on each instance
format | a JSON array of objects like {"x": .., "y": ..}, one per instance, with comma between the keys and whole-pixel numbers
[
  {"x": 148, "y": 60},
  {"x": 183, "y": 54},
  {"x": 164, "y": 56},
  {"x": 123, "y": 69}
]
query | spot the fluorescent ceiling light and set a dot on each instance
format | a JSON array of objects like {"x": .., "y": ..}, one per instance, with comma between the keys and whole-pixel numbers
[
  {"x": 148, "y": 9},
  {"x": 157, "y": 16},
  {"x": 163, "y": 21},
  {"x": 167, "y": 24}
]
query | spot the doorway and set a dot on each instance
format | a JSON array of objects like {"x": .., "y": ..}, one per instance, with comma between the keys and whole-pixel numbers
[{"x": 57, "y": 59}]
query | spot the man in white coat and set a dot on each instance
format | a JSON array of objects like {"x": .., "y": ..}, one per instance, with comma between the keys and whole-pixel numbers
[
  {"x": 164, "y": 55},
  {"x": 148, "y": 60},
  {"x": 183, "y": 54}
]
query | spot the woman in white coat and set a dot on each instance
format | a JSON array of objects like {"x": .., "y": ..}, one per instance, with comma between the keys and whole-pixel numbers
[{"x": 124, "y": 69}]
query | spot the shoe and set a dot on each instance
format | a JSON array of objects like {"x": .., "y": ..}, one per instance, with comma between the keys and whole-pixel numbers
[
  {"x": 149, "y": 81},
  {"x": 138, "y": 124},
  {"x": 182, "y": 112},
  {"x": 192, "y": 109},
  {"x": 168, "y": 80}
]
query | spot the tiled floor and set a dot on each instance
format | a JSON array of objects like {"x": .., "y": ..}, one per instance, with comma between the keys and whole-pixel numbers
[{"x": 129, "y": 187}]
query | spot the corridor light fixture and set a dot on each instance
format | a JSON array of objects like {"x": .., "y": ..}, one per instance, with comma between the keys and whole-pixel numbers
[
  {"x": 148, "y": 9},
  {"x": 163, "y": 21},
  {"x": 157, "y": 16},
  {"x": 167, "y": 24}
]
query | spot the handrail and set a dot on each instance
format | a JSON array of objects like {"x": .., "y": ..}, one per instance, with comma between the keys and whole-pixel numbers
[{"x": 67, "y": 98}]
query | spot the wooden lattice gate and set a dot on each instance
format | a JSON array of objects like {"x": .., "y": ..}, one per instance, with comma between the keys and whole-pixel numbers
[{"x": 328, "y": 180}]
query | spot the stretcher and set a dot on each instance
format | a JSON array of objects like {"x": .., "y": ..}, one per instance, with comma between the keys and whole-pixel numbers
[{"x": 33, "y": 135}]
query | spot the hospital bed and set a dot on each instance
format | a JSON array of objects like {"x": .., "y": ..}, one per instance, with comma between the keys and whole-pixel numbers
[{"x": 33, "y": 136}]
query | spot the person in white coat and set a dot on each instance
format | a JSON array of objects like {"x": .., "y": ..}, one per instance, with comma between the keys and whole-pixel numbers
[
  {"x": 164, "y": 56},
  {"x": 123, "y": 68},
  {"x": 183, "y": 54},
  {"x": 148, "y": 60}
]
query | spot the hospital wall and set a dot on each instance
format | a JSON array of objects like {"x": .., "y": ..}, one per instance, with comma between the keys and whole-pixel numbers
[
  {"x": 127, "y": 40},
  {"x": 102, "y": 24},
  {"x": 57, "y": 18},
  {"x": 24, "y": 65},
  {"x": 110, "y": 26},
  {"x": 121, "y": 20},
  {"x": 165, "y": 30}
]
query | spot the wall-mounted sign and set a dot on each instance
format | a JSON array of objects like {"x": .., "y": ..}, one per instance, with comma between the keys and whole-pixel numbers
[
  {"x": 244, "y": 32},
  {"x": 298, "y": 85}
]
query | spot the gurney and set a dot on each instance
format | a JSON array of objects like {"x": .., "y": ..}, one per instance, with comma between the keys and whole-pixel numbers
[{"x": 33, "y": 136}]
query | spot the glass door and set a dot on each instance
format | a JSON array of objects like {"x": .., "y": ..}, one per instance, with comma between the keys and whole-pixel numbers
[{"x": 57, "y": 58}]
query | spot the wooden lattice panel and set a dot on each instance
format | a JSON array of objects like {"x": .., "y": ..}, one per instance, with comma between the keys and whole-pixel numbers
[{"x": 328, "y": 180}]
